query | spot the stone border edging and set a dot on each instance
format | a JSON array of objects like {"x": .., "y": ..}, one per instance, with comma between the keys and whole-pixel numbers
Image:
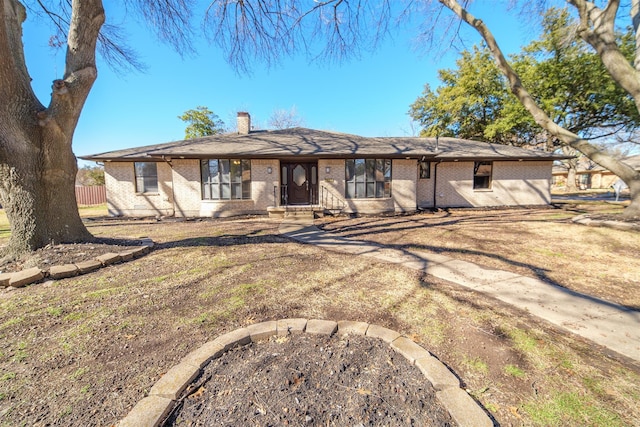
[
  {"x": 20, "y": 279},
  {"x": 618, "y": 225},
  {"x": 152, "y": 410}
]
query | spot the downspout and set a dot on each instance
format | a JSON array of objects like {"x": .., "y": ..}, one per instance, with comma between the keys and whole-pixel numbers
[
  {"x": 435, "y": 183},
  {"x": 173, "y": 191},
  {"x": 435, "y": 174}
]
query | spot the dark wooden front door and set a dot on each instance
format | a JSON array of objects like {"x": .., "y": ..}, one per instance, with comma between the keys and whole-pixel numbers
[{"x": 300, "y": 183}]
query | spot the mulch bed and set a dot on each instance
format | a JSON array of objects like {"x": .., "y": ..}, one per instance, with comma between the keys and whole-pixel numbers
[
  {"x": 309, "y": 379},
  {"x": 67, "y": 253}
]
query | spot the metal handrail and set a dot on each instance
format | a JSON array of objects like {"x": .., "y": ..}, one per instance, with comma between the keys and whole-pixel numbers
[{"x": 330, "y": 201}]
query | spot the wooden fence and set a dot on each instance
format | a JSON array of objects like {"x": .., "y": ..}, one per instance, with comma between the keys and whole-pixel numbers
[{"x": 94, "y": 195}]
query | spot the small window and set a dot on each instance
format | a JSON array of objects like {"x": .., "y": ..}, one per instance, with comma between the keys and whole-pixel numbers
[
  {"x": 482, "y": 175},
  {"x": 146, "y": 175},
  {"x": 425, "y": 170}
]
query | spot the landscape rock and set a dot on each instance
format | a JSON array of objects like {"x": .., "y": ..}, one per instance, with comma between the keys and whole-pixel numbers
[
  {"x": 109, "y": 258},
  {"x": 4, "y": 279},
  {"x": 26, "y": 277},
  {"x": 63, "y": 271},
  {"x": 88, "y": 266}
]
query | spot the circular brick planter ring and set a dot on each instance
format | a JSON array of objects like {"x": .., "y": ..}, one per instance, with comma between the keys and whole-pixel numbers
[{"x": 154, "y": 409}]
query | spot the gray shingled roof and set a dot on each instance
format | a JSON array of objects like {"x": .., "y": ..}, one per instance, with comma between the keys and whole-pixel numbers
[{"x": 303, "y": 142}]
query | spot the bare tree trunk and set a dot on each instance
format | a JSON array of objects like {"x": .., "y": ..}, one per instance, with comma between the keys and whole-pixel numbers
[
  {"x": 37, "y": 165},
  {"x": 612, "y": 60}
]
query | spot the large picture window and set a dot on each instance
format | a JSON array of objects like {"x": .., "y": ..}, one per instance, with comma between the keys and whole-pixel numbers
[
  {"x": 146, "y": 176},
  {"x": 482, "y": 172},
  {"x": 226, "y": 179},
  {"x": 368, "y": 178}
]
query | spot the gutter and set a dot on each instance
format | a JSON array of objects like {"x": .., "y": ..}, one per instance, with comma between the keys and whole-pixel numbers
[{"x": 167, "y": 159}]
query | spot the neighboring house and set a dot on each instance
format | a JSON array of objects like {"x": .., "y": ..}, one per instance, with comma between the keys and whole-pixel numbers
[
  {"x": 590, "y": 175},
  {"x": 255, "y": 172}
]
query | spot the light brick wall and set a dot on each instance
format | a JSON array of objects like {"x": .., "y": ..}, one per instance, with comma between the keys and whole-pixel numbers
[
  {"x": 403, "y": 178},
  {"x": 424, "y": 189},
  {"x": 404, "y": 174},
  {"x": 513, "y": 184},
  {"x": 263, "y": 184},
  {"x": 122, "y": 198},
  {"x": 187, "y": 187},
  {"x": 333, "y": 182}
]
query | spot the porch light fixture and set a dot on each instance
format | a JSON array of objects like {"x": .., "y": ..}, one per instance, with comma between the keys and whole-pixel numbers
[
  {"x": 269, "y": 170},
  {"x": 327, "y": 169}
]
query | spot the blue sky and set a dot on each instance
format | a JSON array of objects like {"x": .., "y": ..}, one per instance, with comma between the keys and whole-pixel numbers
[{"x": 368, "y": 96}]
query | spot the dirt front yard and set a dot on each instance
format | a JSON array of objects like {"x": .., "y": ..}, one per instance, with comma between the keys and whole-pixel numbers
[{"x": 84, "y": 350}]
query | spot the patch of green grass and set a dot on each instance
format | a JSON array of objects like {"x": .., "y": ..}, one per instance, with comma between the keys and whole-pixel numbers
[
  {"x": 201, "y": 319},
  {"x": 549, "y": 253},
  {"x": 567, "y": 364},
  {"x": 8, "y": 376},
  {"x": 55, "y": 311},
  {"x": 12, "y": 322},
  {"x": 434, "y": 329},
  {"x": 68, "y": 410},
  {"x": 476, "y": 364},
  {"x": 159, "y": 279},
  {"x": 573, "y": 409},
  {"x": 71, "y": 317},
  {"x": 92, "y": 210},
  {"x": 522, "y": 340},
  {"x": 491, "y": 407},
  {"x": 514, "y": 371},
  {"x": 21, "y": 353},
  {"x": 67, "y": 347},
  {"x": 100, "y": 293},
  {"x": 79, "y": 373},
  {"x": 212, "y": 292},
  {"x": 593, "y": 385},
  {"x": 247, "y": 289}
]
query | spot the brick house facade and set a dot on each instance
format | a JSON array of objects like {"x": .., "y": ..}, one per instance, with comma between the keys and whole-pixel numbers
[{"x": 253, "y": 172}]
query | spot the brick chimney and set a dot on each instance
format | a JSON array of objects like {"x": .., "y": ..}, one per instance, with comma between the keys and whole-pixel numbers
[{"x": 244, "y": 123}]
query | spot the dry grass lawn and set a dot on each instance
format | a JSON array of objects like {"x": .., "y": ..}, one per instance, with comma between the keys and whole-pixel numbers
[{"x": 84, "y": 350}]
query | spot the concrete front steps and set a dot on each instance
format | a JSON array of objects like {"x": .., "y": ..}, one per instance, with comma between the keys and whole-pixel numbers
[{"x": 296, "y": 212}]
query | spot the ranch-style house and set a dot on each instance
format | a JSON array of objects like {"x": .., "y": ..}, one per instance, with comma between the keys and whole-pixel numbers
[{"x": 271, "y": 171}]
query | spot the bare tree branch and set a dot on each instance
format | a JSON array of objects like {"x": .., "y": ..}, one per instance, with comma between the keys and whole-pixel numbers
[{"x": 627, "y": 173}]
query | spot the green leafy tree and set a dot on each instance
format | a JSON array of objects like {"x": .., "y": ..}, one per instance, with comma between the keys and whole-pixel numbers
[
  {"x": 90, "y": 175},
  {"x": 473, "y": 102},
  {"x": 597, "y": 27},
  {"x": 201, "y": 122},
  {"x": 566, "y": 79}
]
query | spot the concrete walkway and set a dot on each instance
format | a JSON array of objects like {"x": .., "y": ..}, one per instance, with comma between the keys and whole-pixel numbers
[{"x": 602, "y": 322}]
